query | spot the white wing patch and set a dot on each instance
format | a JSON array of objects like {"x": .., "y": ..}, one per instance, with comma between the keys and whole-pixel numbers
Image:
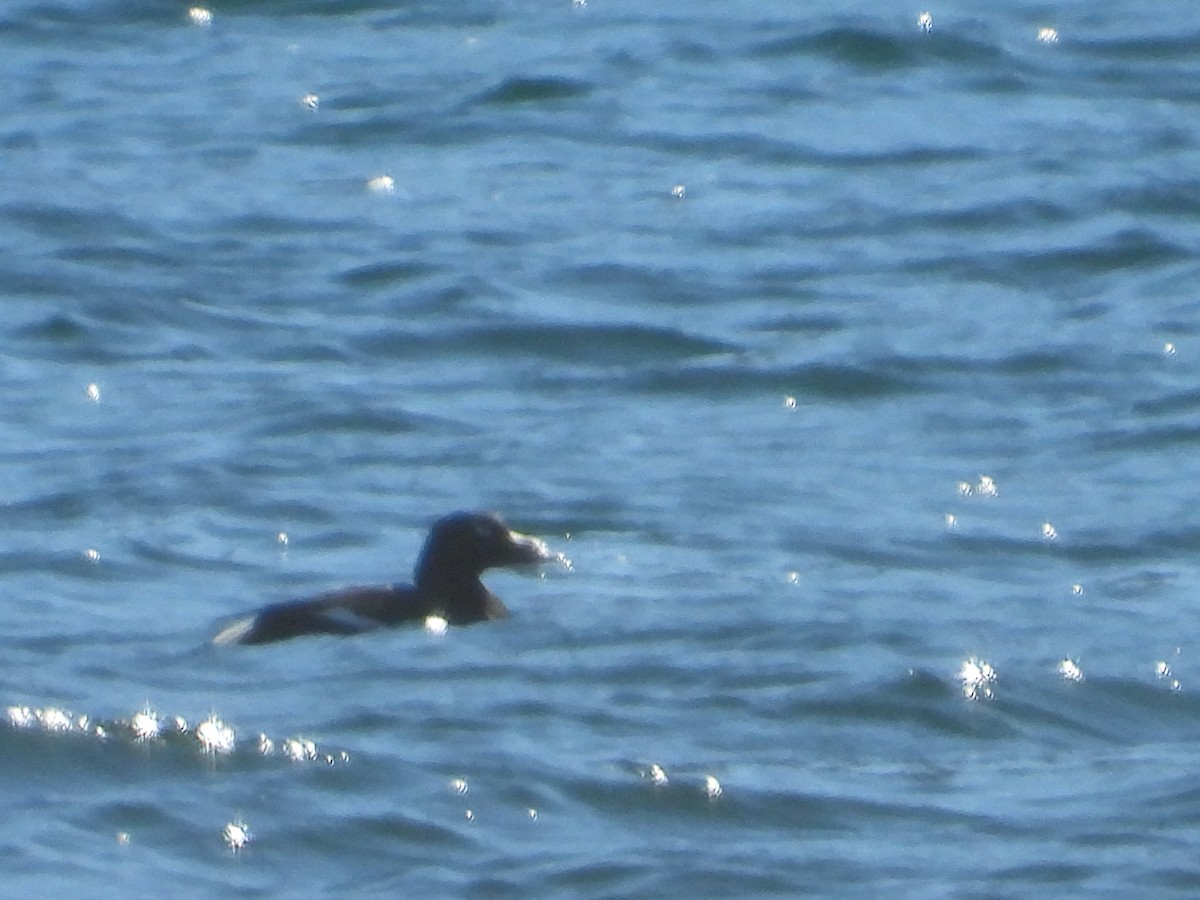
[
  {"x": 347, "y": 620},
  {"x": 235, "y": 632}
]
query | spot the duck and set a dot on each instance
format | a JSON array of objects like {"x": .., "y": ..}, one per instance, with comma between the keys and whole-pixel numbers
[{"x": 446, "y": 587}]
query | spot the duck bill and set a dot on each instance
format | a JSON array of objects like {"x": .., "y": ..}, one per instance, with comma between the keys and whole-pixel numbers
[{"x": 529, "y": 550}]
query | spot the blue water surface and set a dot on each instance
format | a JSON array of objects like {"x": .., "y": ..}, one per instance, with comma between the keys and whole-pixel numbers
[{"x": 852, "y": 363}]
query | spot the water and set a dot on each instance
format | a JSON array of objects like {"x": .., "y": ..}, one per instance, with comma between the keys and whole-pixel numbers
[{"x": 854, "y": 367}]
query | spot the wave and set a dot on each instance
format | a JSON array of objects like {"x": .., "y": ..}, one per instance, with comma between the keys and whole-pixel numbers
[
  {"x": 520, "y": 90},
  {"x": 596, "y": 344}
]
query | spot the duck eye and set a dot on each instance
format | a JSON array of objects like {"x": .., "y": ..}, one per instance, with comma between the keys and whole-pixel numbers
[{"x": 485, "y": 529}]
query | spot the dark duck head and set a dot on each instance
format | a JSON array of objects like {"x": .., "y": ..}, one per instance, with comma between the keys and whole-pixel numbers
[{"x": 459, "y": 548}]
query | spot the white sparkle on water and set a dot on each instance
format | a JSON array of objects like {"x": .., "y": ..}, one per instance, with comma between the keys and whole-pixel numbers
[
  {"x": 712, "y": 787},
  {"x": 1163, "y": 671},
  {"x": 925, "y": 21},
  {"x": 1047, "y": 35},
  {"x": 459, "y": 785},
  {"x": 382, "y": 184},
  {"x": 215, "y": 736},
  {"x": 977, "y": 677},
  {"x": 658, "y": 776},
  {"x": 299, "y": 749},
  {"x": 984, "y": 487},
  {"x": 237, "y": 835},
  {"x": 198, "y": 15},
  {"x": 436, "y": 625},
  {"x": 54, "y": 719},
  {"x": 145, "y": 725},
  {"x": 1049, "y": 532},
  {"x": 93, "y": 392},
  {"x": 1069, "y": 670}
]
